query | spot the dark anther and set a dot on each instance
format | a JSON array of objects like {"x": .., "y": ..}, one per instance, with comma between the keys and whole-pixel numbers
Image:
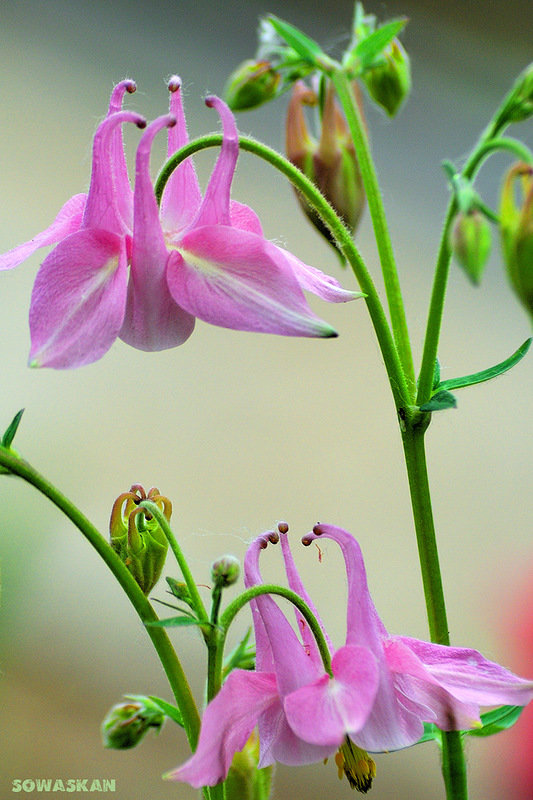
[{"x": 283, "y": 527}]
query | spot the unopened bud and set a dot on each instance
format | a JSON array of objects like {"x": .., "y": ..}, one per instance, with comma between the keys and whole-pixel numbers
[
  {"x": 251, "y": 84},
  {"x": 519, "y": 105},
  {"x": 136, "y": 536},
  {"x": 516, "y": 227},
  {"x": 126, "y": 723},
  {"x": 389, "y": 81},
  {"x": 470, "y": 241},
  {"x": 225, "y": 571},
  {"x": 330, "y": 163}
]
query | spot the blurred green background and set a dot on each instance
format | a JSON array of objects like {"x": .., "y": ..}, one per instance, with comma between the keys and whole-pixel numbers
[{"x": 242, "y": 430}]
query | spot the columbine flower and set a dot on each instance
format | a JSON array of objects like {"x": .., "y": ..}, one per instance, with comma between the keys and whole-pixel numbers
[
  {"x": 381, "y": 690},
  {"x": 196, "y": 257}
]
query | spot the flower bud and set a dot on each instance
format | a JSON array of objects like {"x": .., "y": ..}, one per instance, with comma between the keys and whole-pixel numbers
[
  {"x": 330, "y": 163},
  {"x": 516, "y": 228},
  {"x": 251, "y": 84},
  {"x": 126, "y": 723},
  {"x": 136, "y": 536},
  {"x": 470, "y": 240},
  {"x": 519, "y": 105},
  {"x": 245, "y": 781},
  {"x": 389, "y": 81},
  {"x": 225, "y": 571}
]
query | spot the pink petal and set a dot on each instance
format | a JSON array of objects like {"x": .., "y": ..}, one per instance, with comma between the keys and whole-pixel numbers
[
  {"x": 468, "y": 675},
  {"x": 226, "y": 725},
  {"x": 67, "y": 221},
  {"x": 215, "y": 208},
  {"x": 317, "y": 282},
  {"x": 152, "y": 320},
  {"x": 279, "y": 743},
  {"x": 182, "y": 197},
  {"x": 278, "y": 648},
  {"x": 108, "y": 181},
  {"x": 78, "y": 300},
  {"x": 124, "y": 194},
  {"x": 238, "y": 280},
  {"x": 324, "y": 712},
  {"x": 244, "y": 218},
  {"x": 295, "y": 583}
]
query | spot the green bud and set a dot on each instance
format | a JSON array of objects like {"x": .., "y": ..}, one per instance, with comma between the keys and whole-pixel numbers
[
  {"x": 225, "y": 571},
  {"x": 516, "y": 228},
  {"x": 519, "y": 104},
  {"x": 331, "y": 162},
  {"x": 126, "y": 723},
  {"x": 136, "y": 536},
  {"x": 470, "y": 241},
  {"x": 245, "y": 781},
  {"x": 251, "y": 84},
  {"x": 389, "y": 81}
]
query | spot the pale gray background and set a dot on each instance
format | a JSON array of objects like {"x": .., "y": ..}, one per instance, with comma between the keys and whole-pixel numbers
[{"x": 241, "y": 430}]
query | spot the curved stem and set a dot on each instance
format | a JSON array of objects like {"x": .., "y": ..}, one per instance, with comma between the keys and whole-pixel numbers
[
  {"x": 400, "y": 390},
  {"x": 156, "y": 512},
  {"x": 255, "y": 591},
  {"x": 141, "y": 604},
  {"x": 379, "y": 222}
]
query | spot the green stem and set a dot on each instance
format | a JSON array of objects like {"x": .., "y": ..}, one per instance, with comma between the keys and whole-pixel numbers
[
  {"x": 400, "y": 390},
  {"x": 156, "y": 512},
  {"x": 141, "y": 604},
  {"x": 453, "y": 765},
  {"x": 375, "y": 205}
]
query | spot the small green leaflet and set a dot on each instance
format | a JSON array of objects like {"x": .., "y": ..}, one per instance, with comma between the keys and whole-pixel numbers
[
  {"x": 169, "y": 710},
  {"x": 9, "y": 435},
  {"x": 442, "y": 398},
  {"x": 368, "y": 49},
  {"x": 307, "y": 48},
  {"x": 495, "y": 721},
  {"x": 174, "y": 622}
]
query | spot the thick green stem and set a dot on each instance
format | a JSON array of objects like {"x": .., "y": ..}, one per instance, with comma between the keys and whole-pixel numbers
[
  {"x": 141, "y": 604},
  {"x": 375, "y": 205},
  {"x": 453, "y": 765}
]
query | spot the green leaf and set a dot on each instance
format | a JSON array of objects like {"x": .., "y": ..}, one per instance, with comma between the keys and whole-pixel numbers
[
  {"x": 440, "y": 401},
  {"x": 169, "y": 710},
  {"x": 487, "y": 374},
  {"x": 370, "y": 48},
  {"x": 495, "y": 721},
  {"x": 307, "y": 48},
  {"x": 499, "y": 719},
  {"x": 9, "y": 435},
  {"x": 431, "y": 734},
  {"x": 174, "y": 622}
]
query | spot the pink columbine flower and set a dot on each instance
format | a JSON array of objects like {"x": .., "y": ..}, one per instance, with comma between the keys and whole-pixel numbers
[
  {"x": 381, "y": 690},
  {"x": 194, "y": 257}
]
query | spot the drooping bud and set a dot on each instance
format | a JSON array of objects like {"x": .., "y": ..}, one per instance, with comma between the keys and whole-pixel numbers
[
  {"x": 137, "y": 537},
  {"x": 470, "y": 240},
  {"x": 245, "y": 781},
  {"x": 516, "y": 228},
  {"x": 126, "y": 723},
  {"x": 389, "y": 81},
  {"x": 251, "y": 84},
  {"x": 331, "y": 162},
  {"x": 356, "y": 764},
  {"x": 225, "y": 571}
]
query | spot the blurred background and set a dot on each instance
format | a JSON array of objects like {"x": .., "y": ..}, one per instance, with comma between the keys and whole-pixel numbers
[{"x": 242, "y": 430}]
